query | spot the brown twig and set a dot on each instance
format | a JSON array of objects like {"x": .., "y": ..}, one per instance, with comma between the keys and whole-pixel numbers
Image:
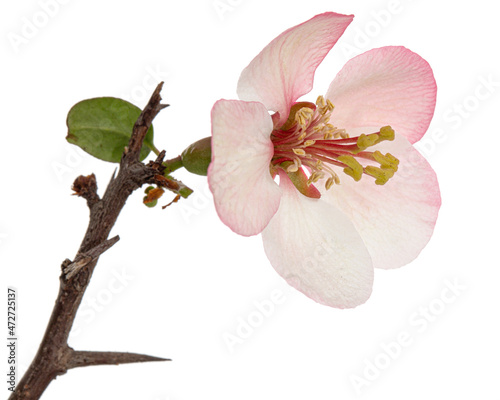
[
  {"x": 54, "y": 356},
  {"x": 70, "y": 269}
]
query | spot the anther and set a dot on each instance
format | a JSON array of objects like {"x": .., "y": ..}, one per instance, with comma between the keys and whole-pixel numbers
[
  {"x": 365, "y": 141},
  {"x": 353, "y": 168},
  {"x": 381, "y": 175}
]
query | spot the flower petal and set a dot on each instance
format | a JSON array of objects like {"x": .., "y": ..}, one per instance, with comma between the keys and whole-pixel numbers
[
  {"x": 317, "y": 250},
  {"x": 395, "y": 220},
  {"x": 246, "y": 197},
  {"x": 386, "y": 86},
  {"x": 284, "y": 70}
]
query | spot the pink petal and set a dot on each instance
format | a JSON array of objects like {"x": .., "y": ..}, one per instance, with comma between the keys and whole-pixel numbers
[
  {"x": 246, "y": 197},
  {"x": 317, "y": 250},
  {"x": 284, "y": 70},
  {"x": 386, "y": 86},
  {"x": 395, "y": 220}
]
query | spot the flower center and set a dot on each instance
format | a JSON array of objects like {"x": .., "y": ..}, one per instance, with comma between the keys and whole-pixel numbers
[{"x": 308, "y": 139}]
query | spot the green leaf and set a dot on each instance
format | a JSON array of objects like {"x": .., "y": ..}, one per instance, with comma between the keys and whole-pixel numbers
[{"x": 103, "y": 126}]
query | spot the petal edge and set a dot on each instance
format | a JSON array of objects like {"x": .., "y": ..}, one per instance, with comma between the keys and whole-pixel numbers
[
  {"x": 284, "y": 70},
  {"x": 386, "y": 86}
]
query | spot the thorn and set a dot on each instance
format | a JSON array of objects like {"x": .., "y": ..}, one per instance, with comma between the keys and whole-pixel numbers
[{"x": 89, "y": 358}]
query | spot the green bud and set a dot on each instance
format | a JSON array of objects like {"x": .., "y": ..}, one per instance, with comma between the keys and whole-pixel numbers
[
  {"x": 151, "y": 204},
  {"x": 196, "y": 158}
]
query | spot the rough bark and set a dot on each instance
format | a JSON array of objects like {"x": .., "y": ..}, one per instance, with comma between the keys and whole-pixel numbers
[{"x": 54, "y": 356}]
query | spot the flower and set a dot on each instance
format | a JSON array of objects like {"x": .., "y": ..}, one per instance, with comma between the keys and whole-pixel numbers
[{"x": 353, "y": 193}]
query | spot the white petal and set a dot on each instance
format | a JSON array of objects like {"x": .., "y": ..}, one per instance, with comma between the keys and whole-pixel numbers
[
  {"x": 386, "y": 86},
  {"x": 245, "y": 195},
  {"x": 284, "y": 70},
  {"x": 317, "y": 250},
  {"x": 395, "y": 220}
]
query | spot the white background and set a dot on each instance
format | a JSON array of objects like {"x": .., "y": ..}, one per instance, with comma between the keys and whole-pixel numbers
[{"x": 186, "y": 281}]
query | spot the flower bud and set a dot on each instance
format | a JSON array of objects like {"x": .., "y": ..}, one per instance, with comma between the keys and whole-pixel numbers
[{"x": 197, "y": 156}]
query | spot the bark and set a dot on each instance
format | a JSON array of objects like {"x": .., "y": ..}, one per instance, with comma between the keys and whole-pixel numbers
[{"x": 54, "y": 356}]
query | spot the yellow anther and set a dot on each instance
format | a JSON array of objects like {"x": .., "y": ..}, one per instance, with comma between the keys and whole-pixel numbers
[
  {"x": 315, "y": 177},
  {"x": 309, "y": 142},
  {"x": 292, "y": 167},
  {"x": 320, "y": 102},
  {"x": 301, "y": 120},
  {"x": 306, "y": 112},
  {"x": 354, "y": 169},
  {"x": 303, "y": 116},
  {"x": 324, "y": 106},
  {"x": 330, "y": 105},
  {"x": 330, "y": 128},
  {"x": 299, "y": 152},
  {"x": 329, "y": 183},
  {"x": 328, "y": 131},
  {"x": 302, "y": 136},
  {"x": 381, "y": 175},
  {"x": 365, "y": 141},
  {"x": 387, "y": 161},
  {"x": 386, "y": 133}
]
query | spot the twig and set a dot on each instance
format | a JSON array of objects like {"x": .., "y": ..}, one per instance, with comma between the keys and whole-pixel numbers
[
  {"x": 54, "y": 356},
  {"x": 142, "y": 125},
  {"x": 84, "y": 259},
  {"x": 86, "y": 187}
]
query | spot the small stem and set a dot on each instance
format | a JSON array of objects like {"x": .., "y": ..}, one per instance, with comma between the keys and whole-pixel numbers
[
  {"x": 153, "y": 148},
  {"x": 173, "y": 164}
]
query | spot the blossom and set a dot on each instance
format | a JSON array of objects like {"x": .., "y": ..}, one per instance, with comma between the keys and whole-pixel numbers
[{"x": 352, "y": 193}]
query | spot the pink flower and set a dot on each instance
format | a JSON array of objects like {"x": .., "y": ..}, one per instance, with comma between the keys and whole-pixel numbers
[{"x": 324, "y": 230}]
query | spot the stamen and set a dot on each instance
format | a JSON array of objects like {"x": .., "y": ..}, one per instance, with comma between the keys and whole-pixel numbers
[
  {"x": 387, "y": 161},
  {"x": 329, "y": 183},
  {"x": 381, "y": 175},
  {"x": 343, "y": 134},
  {"x": 315, "y": 177},
  {"x": 308, "y": 139},
  {"x": 365, "y": 141},
  {"x": 292, "y": 168},
  {"x": 354, "y": 169},
  {"x": 386, "y": 133},
  {"x": 330, "y": 105},
  {"x": 320, "y": 102}
]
